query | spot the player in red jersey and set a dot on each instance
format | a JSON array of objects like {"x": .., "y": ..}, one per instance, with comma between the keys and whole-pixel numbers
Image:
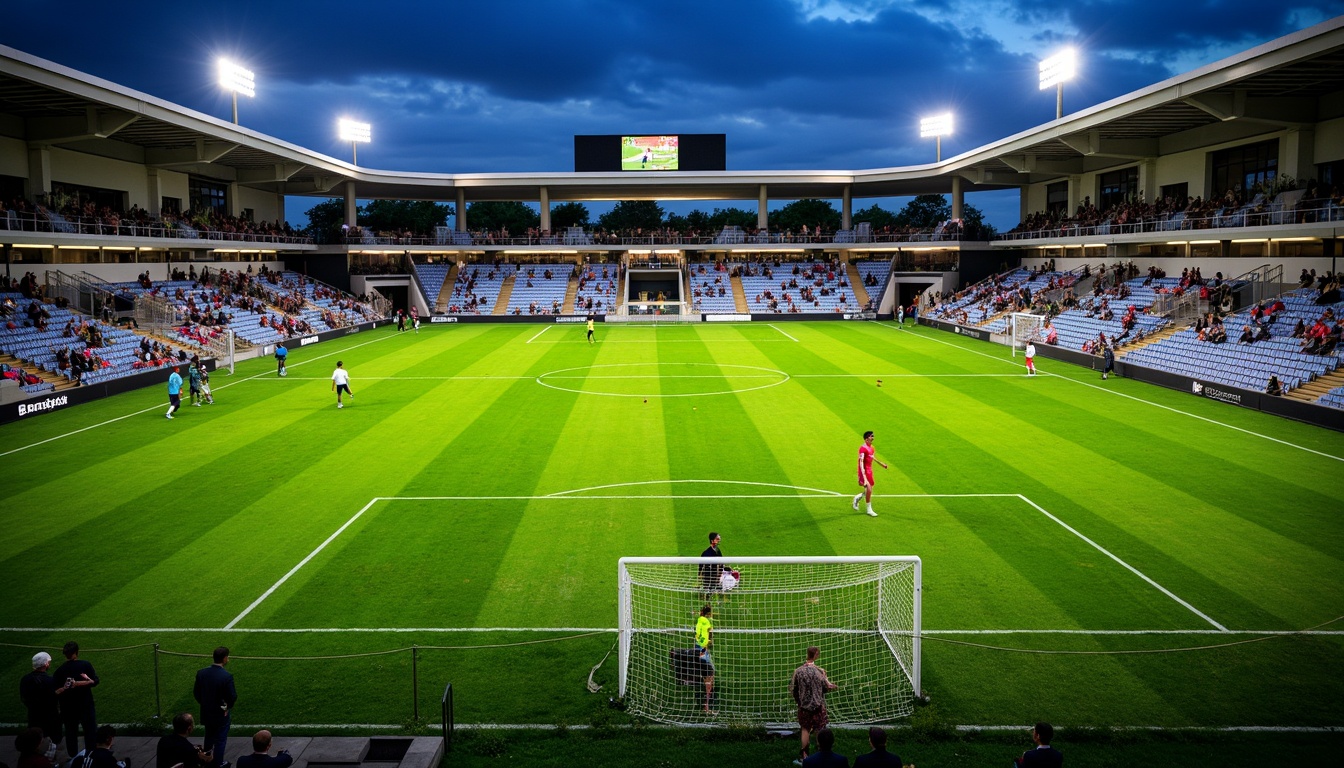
[{"x": 866, "y": 459}]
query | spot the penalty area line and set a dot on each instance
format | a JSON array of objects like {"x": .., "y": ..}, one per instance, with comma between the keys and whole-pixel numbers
[
  {"x": 538, "y": 334},
  {"x": 591, "y": 630},
  {"x": 781, "y": 330}
]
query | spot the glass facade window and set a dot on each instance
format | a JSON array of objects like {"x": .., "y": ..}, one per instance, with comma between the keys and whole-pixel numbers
[
  {"x": 1057, "y": 198},
  {"x": 1118, "y": 186},
  {"x": 208, "y": 195},
  {"x": 1240, "y": 169},
  {"x": 1178, "y": 193}
]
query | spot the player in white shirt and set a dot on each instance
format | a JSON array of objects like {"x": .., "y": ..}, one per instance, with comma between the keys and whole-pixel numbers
[
  {"x": 340, "y": 382},
  {"x": 1031, "y": 355}
]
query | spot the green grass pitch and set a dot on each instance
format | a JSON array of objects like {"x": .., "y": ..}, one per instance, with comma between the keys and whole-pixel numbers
[{"x": 1078, "y": 534}]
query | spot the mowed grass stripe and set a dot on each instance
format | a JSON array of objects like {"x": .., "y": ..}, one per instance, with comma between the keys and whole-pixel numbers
[
  {"x": 721, "y": 437},
  {"x": 484, "y": 416},
  {"x": 559, "y": 568}
]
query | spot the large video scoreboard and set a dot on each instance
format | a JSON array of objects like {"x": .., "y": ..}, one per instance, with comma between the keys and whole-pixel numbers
[{"x": 651, "y": 152}]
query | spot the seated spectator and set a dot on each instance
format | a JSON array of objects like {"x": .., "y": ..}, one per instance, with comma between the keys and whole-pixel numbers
[
  {"x": 29, "y": 745},
  {"x": 1263, "y": 333},
  {"x": 1042, "y": 755},
  {"x": 261, "y": 756},
  {"x": 101, "y": 755},
  {"x": 1274, "y": 388},
  {"x": 1300, "y": 329},
  {"x": 826, "y": 756},
  {"x": 1247, "y": 335},
  {"x": 176, "y": 749},
  {"x": 879, "y": 757}
]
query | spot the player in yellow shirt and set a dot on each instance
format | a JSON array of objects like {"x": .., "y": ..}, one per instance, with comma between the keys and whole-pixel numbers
[
  {"x": 590, "y": 329},
  {"x": 704, "y": 636}
]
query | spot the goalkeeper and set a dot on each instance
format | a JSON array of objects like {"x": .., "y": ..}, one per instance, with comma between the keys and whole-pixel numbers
[{"x": 704, "y": 637}]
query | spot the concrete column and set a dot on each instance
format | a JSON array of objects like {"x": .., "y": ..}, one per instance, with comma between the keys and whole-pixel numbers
[
  {"x": 461, "y": 218},
  {"x": 39, "y": 172},
  {"x": 545, "y": 210},
  {"x": 233, "y": 205},
  {"x": 958, "y": 197},
  {"x": 1023, "y": 200},
  {"x": 155, "y": 186},
  {"x": 279, "y": 208},
  {"x": 762, "y": 209},
  {"x": 1297, "y": 152},
  {"x": 350, "y": 215},
  {"x": 1148, "y": 180},
  {"x": 846, "y": 208},
  {"x": 1075, "y": 193}
]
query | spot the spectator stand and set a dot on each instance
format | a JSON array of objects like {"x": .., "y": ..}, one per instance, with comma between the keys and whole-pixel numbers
[
  {"x": 599, "y": 289},
  {"x": 539, "y": 289},
  {"x": 477, "y": 288},
  {"x": 796, "y": 287}
]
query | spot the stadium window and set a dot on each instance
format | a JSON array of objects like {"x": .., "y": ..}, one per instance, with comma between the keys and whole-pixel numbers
[
  {"x": 11, "y": 187},
  {"x": 114, "y": 199},
  {"x": 1176, "y": 192},
  {"x": 208, "y": 196},
  {"x": 1057, "y": 198},
  {"x": 1241, "y": 168},
  {"x": 1118, "y": 186},
  {"x": 1330, "y": 174},
  {"x": 170, "y": 204}
]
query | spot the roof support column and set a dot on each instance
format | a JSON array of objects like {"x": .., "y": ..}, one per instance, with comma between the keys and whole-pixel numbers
[
  {"x": 1075, "y": 193},
  {"x": 846, "y": 207},
  {"x": 1148, "y": 180},
  {"x": 545, "y": 210},
  {"x": 958, "y": 197},
  {"x": 1297, "y": 153},
  {"x": 280, "y": 209},
  {"x": 154, "y": 185},
  {"x": 350, "y": 203},
  {"x": 232, "y": 201},
  {"x": 460, "y": 220},
  {"x": 39, "y": 172},
  {"x": 763, "y": 210}
]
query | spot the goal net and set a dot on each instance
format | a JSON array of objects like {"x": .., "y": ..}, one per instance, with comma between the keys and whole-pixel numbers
[
  {"x": 1026, "y": 327},
  {"x": 862, "y": 612}
]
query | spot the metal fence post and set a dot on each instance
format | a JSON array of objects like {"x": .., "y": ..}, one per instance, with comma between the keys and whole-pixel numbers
[
  {"x": 158, "y": 706},
  {"x": 446, "y": 713},
  {"x": 415, "y": 682}
]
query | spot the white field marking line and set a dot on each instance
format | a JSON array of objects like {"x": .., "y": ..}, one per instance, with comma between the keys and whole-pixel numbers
[
  {"x": 790, "y": 338},
  {"x": 157, "y": 407},
  {"x": 667, "y": 341},
  {"x": 543, "y": 330},
  {"x": 833, "y": 726},
  {"x": 1127, "y": 566},
  {"x": 302, "y": 563},
  {"x": 589, "y": 630},
  {"x": 720, "y": 376},
  {"x": 1130, "y": 397}
]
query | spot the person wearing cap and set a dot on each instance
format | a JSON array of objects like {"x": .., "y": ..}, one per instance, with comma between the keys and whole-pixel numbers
[
  {"x": 174, "y": 392},
  {"x": 37, "y": 690}
]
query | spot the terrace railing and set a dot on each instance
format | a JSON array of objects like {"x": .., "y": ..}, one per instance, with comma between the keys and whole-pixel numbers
[
  {"x": 37, "y": 221},
  {"x": 1180, "y": 222}
]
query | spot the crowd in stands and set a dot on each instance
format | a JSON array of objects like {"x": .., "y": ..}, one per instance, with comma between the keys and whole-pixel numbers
[
  {"x": 84, "y": 217},
  {"x": 802, "y": 286},
  {"x": 953, "y": 229},
  {"x": 1231, "y": 209}
]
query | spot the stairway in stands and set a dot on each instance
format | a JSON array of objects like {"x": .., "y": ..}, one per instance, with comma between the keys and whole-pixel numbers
[
  {"x": 1312, "y": 390},
  {"x": 47, "y": 377},
  {"x": 856, "y": 283},
  {"x": 571, "y": 293},
  {"x": 505, "y": 291},
  {"x": 739, "y": 295},
  {"x": 446, "y": 291}
]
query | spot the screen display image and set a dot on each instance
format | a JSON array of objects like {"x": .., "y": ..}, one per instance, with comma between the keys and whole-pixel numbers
[{"x": 649, "y": 153}]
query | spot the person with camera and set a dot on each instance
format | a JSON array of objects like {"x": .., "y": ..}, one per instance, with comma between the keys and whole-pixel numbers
[{"x": 261, "y": 756}]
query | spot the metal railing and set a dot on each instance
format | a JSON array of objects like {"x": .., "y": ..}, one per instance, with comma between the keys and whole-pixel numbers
[
  {"x": 1179, "y": 222},
  {"x": 842, "y": 237},
  {"x": 37, "y": 221}
]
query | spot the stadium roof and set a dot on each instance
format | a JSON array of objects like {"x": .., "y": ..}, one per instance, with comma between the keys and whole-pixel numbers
[{"x": 1296, "y": 80}]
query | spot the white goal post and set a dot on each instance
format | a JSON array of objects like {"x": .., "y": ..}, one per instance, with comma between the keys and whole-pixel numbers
[
  {"x": 862, "y": 612},
  {"x": 1026, "y": 327}
]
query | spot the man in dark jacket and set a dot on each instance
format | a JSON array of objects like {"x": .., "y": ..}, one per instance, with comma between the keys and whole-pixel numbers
[
  {"x": 75, "y": 680},
  {"x": 216, "y": 695},
  {"x": 37, "y": 690}
]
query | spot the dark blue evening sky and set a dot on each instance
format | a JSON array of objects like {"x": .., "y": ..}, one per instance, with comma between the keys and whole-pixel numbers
[{"x": 505, "y": 85}]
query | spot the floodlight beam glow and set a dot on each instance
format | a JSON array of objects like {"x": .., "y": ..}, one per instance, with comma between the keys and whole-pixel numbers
[
  {"x": 1059, "y": 68},
  {"x": 237, "y": 79},
  {"x": 939, "y": 125},
  {"x": 355, "y": 131}
]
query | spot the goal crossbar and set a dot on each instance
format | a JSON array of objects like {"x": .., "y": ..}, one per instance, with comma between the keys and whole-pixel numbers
[{"x": 864, "y": 612}]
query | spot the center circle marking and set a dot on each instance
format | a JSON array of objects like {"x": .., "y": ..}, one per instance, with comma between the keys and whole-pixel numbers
[{"x": 552, "y": 379}]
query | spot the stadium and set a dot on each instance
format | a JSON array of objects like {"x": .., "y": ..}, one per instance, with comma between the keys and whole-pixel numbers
[{"x": 496, "y": 535}]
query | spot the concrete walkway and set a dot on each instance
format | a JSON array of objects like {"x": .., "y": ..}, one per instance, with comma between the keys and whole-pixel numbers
[{"x": 315, "y": 751}]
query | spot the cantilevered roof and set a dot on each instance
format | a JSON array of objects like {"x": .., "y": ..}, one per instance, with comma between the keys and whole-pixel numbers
[{"x": 1294, "y": 81}]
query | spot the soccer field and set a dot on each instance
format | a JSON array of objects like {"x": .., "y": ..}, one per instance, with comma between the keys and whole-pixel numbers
[{"x": 1079, "y": 538}]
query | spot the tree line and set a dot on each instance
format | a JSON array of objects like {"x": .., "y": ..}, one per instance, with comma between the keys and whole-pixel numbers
[{"x": 422, "y": 216}]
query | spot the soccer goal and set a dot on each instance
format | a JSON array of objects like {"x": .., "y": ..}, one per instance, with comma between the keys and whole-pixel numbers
[
  {"x": 862, "y": 612},
  {"x": 1026, "y": 327}
]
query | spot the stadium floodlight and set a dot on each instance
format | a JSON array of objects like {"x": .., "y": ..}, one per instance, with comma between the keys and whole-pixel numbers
[
  {"x": 355, "y": 133},
  {"x": 236, "y": 80},
  {"x": 865, "y": 611},
  {"x": 937, "y": 126},
  {"x": 1055, "y": 71}
]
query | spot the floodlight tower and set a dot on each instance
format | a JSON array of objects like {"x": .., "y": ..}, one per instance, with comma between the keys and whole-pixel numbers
[
  {"x": 1055, "y": 71},
  {"x": 937, "y": 126},
  {"x": 355, "y": 133},
  {"x": 236, "y": 80}
]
